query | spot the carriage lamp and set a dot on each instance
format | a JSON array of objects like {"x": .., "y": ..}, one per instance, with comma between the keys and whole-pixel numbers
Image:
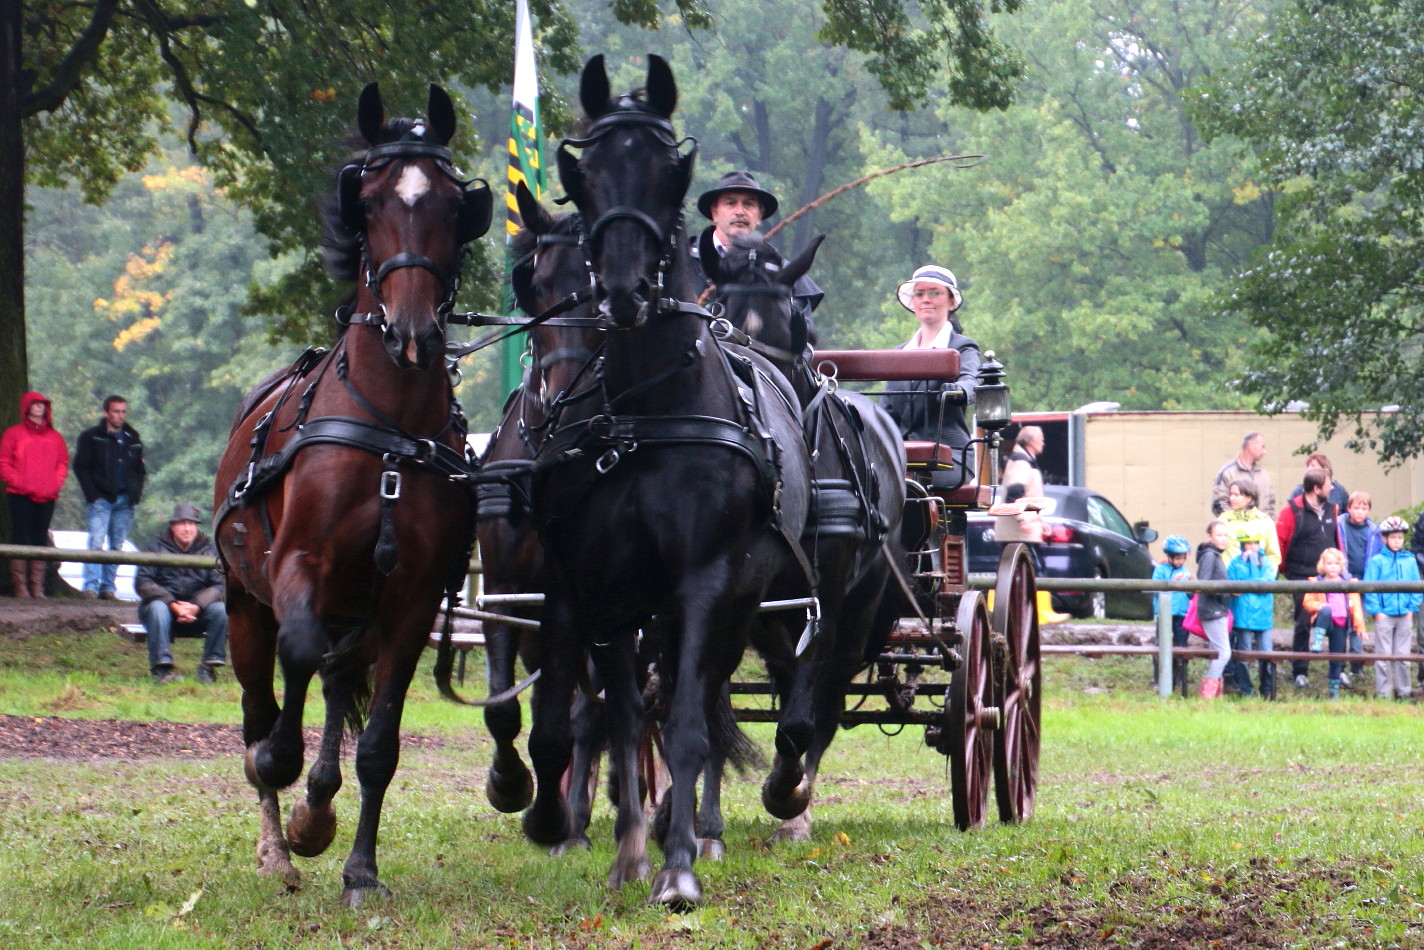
[{"x": 991, "y": 397}]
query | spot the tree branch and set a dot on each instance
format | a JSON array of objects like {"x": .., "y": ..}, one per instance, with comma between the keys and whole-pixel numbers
[{"x": 75, "y": 62}]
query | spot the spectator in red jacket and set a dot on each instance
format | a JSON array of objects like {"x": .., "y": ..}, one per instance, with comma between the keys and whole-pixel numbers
[
  {"x": 33, "y": 464},
  {"x": 1307, "y": 526}
]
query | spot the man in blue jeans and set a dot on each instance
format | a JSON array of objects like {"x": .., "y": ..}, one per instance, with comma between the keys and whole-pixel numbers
[
  {"x": 183, "y": 601},
  {"x": 108, "y": 462}
]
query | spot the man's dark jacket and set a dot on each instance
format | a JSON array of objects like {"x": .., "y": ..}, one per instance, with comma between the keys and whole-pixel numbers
[
  {"x": 196, "y": 585},
  {"x": 99, "y": 459}
]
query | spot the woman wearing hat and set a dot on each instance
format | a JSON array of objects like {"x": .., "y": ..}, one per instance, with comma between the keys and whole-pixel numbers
[{"x": 932, "y": 295}]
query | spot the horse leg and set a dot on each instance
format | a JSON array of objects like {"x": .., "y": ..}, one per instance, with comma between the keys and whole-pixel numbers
[
  {"x": 378, "y": 752},
  {"x": 276, "y": 759},
  {"x": 509, "y": 786},
  {"x": 623, "y": 716},
  {"x": 590, "y": 735},
  {"x": 710, "y": 823},
  {"x": 312, "y": 824},
  {"x": 786, "y": 791},
  {"x": 547, "y": 821},
  {"x": 252, "y": 645}
]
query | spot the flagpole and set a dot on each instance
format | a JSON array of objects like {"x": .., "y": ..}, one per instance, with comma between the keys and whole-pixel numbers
[{"x": 526, "y": 164}]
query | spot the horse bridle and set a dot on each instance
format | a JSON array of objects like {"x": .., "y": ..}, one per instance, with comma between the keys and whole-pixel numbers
[
  {"x": 623, "y": 116},
  {"x": 378, "y": 156}
]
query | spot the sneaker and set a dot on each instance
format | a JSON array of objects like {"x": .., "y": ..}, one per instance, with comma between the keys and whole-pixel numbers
[
  {"x": 108, "y": 595},
  {"x": 1344, "y": 679},
  {"x": 165, "y": 675},
  {"x": 206, "y": 674},
  {"x": 1301, "y": 682},
  {"x": 89, "y": 594}
]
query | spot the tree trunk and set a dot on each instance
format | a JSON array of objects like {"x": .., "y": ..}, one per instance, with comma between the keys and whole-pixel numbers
[
  {"x": 14, "y": 367},
  {"x": 814, "y": 181}
]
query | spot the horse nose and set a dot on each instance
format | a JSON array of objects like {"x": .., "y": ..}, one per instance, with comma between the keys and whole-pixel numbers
[{"x": 628, "y": 306}]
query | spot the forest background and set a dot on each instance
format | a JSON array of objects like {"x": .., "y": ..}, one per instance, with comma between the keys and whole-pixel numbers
[{"x": 1101, "y": 243}]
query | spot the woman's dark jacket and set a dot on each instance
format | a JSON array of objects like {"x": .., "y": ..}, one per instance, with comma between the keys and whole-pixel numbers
[{"x": 914, "y": 404}]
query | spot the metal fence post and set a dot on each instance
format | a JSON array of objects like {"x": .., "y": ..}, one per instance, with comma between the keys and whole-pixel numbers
[{"x": 1164, "y": 643}]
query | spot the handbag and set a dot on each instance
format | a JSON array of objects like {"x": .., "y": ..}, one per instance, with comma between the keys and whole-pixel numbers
[{"x": 1193, "y": 625}]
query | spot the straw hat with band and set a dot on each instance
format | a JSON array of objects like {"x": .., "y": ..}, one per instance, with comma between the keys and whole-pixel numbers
[
  {"x": 737, "y": 181},
  {"x": 929, "y": 274}
]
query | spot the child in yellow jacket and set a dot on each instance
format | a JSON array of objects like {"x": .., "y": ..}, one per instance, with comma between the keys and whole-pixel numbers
[{"x": 1333, "y": 615}]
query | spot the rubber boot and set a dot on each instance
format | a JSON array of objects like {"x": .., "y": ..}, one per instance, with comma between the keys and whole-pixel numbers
[
  {"x": 1046, "y": 613},
  {"x": 38, "y": 570},
  {"x": 1334, "y": 688},
  {"x": 1210, "y": 688},
  {"x": 19, "y": 577},
  {"x": 1179, "y": 675}
]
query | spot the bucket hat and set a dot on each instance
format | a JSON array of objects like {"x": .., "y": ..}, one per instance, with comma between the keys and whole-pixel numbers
[
  {"x": 929, "y": 274},
  {"x": 737, "y": 181}
]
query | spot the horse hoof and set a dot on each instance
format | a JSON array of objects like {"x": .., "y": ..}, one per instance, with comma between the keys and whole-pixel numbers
[
  {"x": 507, "y": 792},
  {"x": 249, "y": 768},
  {"x": 576, "y": 843},
  {"x": 548, "y": 825},
  {"x": 621, "y": 873},
  {"x": 353, "y": 897},
  {"x": 711, "y": 849},
  {"x": 274, "y": 862},
  {"x": 265, "y": 773},
  {"x": 310, "y": 830},
  {"x": 789, "y": 831},
  {"x": 676, "y": 889},
  {"x": 785, "y": 806}
]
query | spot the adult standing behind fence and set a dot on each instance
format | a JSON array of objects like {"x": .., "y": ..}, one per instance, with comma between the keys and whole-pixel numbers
[
  {"x": 1339, "y": 496},
  {"x": 1307, "y": 526},
  {"x": 1246, "y": 465},
  {"x": 33, "y": 464},
  {"x": 182, "y": 601},
  {"x": 1022, "y": 465},
  {"x": 1243, "y": 513},
  {"x": 108, "y": 461}
]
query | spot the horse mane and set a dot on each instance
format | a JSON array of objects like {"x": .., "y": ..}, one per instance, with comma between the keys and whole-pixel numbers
[{"x": 341, "y": 245}]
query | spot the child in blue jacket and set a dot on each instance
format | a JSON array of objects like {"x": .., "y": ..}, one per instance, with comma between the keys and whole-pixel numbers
[
  {"x": 1393, "y": 612},
  {"x": 1174, "y": 568},
  {"x": 1253, "y": 613}
]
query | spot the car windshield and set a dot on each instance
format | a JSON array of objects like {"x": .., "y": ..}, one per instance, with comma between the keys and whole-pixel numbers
[{"x": 1107, "y": 517}]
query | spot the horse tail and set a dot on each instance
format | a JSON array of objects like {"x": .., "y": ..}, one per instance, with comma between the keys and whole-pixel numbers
[
  {"x": 727, "y": 740},
  {"x": 358, "y": 707}
]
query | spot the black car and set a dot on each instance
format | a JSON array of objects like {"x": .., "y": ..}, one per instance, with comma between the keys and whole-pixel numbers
[{"x": 1084, "y": 536}]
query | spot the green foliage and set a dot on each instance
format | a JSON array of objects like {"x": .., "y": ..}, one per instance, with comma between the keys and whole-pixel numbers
[
  {"x": 1330, "y": 98},
  {"x": 1092, "y": 238}
]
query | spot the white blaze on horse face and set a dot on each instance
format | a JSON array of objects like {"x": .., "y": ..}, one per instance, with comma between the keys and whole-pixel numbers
[
  {"x": 413, "y": 183},
  {"x": 753, "y": 322}
]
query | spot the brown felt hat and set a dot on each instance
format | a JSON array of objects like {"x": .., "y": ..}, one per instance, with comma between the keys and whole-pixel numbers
[{"x": 737, "y": 181}]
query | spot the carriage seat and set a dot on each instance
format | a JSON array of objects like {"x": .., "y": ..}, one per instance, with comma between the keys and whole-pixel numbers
[
  {"x": 887, "y": 365},
  {"x": 937, "y": 454}
]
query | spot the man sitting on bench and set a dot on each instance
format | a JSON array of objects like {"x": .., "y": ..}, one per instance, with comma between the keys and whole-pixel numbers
[
  {"x": 182, "y": 601},
  {"x": 932, "y": 295}
]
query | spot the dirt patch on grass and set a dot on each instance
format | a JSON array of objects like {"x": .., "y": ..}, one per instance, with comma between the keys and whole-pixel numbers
[
  {"x": 21, "y": 619},
  {"x": 56, "y": 737},
  {"x": 1238, "y": 908}
]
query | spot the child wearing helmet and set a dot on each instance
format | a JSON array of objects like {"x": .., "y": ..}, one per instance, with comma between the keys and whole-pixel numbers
[
  {"x": 1174, "y": 568},
  {"x": 1252, "y": 613},
  {"x": 1393, "y": 612}
]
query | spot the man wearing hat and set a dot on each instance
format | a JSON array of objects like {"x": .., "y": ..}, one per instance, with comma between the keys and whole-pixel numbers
[
  {"x": 932, "y": 295},
  {"x": 182, "y": 601},
  {"x": 737, "y": 205}
]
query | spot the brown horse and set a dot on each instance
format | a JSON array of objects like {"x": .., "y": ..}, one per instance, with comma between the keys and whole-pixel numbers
[{"x": 342, "y": 516}]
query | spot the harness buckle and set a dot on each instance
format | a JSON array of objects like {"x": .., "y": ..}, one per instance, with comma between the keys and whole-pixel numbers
[
  {"x": 390, "y": 485},
  {"x": 601, "y": 427},
  {"x": 606, "y": 461}
]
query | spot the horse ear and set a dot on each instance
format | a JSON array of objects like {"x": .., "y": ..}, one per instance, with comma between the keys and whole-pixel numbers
[
  {"x": 797, "y": 268},
  {"x": 593, "y": 88},
  {"x": 371, "y": 114},
  {"x": 531, "y": 212},
  {"x": 662, "y": 88},
  {"x": 440, "y": 113},
  {"x": 707, "y": 254},
  {"x": 570, "y": 175}
]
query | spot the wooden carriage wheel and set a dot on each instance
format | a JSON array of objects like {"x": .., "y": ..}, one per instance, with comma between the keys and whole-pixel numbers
[
  {"x": 970, "y": 719},
  {"x": 1018, "y": 684}
]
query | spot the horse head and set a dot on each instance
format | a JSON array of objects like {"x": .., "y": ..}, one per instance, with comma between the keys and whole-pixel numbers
[
  {"x": 411, "y": 215},
  {"x": 629, "y": 183},
  {"x": 754, "y": 285},
  {"x": 549, "y": 272}
]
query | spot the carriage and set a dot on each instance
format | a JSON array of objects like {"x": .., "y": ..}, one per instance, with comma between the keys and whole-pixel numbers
[{"x": 598, "y": 453}]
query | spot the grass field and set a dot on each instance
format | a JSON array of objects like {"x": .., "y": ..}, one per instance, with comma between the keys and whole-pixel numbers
[{"x": 1160, "y": 824}]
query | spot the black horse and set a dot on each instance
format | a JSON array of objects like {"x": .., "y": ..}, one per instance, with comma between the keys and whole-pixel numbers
[
  {"x": 858, "y": 499},
  {"x": 679, "y": 491}
]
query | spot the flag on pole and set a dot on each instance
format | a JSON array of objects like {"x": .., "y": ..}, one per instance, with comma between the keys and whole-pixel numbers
[{"x": 526, "y": 163}]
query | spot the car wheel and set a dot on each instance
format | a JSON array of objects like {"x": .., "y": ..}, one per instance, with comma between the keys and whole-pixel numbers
[{"x": 1095, "y": 606}]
